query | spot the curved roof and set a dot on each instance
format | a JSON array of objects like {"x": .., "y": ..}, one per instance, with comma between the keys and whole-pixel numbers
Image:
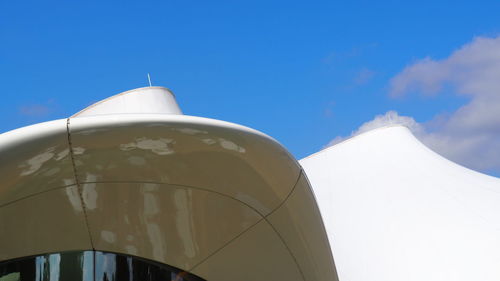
[
  {"x": 395, "y": 210},
  {"x": 220, "y": 200}
]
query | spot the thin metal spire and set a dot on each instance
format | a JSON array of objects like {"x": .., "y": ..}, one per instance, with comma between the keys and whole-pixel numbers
[{"x": 149, "y": 80}]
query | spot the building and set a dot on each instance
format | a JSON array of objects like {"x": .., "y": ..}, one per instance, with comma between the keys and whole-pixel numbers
[{"x": 131, "y": 189}]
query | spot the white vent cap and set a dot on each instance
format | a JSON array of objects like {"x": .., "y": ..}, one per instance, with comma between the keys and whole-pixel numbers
[{"x": 141, "y": 100}]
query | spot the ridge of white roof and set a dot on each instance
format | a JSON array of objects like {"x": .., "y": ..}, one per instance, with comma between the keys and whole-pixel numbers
[
  {"x": 392, "y": 126},
  {"x": 352, "y": 137},
  {"x": 396, "y": 210}
]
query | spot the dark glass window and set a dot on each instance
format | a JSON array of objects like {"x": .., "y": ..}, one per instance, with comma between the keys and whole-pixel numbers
[{"x": 89, "y": 266}]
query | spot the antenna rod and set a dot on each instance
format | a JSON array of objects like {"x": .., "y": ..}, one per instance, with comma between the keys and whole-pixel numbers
[{"x": 149, "y": 79}]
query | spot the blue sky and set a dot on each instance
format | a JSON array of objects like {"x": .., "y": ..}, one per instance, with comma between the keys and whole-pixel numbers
[{"x": 303, "y": 72}]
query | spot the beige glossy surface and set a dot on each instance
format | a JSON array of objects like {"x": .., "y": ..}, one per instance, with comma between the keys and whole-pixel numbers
[
  {"x": 258, "y": 254},
  {"x": 52, "y": 221},
  {"x": 298, "y": 222},
  {"x": 186, "y": 191},
  {"x": 170, "y": 224},
  {"x": 182, "y": 150},
  {"x": 34, "y": 159}
]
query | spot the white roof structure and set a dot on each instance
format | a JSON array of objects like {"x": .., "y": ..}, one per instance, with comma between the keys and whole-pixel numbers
[
  {"x": 147, "y": 100},
  {"x": 396, "y": 211},
  {"x": 131, "y": 175}
]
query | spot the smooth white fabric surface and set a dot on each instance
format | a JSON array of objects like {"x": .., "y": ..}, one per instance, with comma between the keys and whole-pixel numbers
[{"x": 396, "y": 211}]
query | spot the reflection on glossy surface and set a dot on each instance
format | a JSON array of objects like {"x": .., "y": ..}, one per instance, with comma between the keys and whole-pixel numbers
[
  {"x": 35, "y": 163},
  {"x": 158, "y": 146},
  {"x": 165, "y": 150},
  {"x": 89, "y": 266},
  {"x": 227, "y": 144},
  {"x": 71, "y": 266},
  {"x": 34, "y": 159},
  {"x": 167, "y": 223},
  {"x": 111, "y": 266}
]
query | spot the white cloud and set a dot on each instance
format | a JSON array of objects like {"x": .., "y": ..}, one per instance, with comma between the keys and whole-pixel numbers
[
  {"x": 387, "y": 119},
  {"x": 471, "y": 134},
  {"x": 474, "y": 70}
]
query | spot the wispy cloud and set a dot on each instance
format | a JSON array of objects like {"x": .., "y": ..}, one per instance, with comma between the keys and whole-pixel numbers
[
  {"x": 37, "y": 109},
  {"x": 364, "y": 76},
  {"x": 471, "y": 134},
  {"x": 348, "y": 54},
  {"x": 34, "y": 110}
]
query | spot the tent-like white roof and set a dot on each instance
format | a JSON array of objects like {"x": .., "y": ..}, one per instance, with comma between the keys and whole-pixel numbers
[{"x": 396, "y": 211}]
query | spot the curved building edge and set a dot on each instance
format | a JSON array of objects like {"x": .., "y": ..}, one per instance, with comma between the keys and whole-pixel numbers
[{"x": 210, "y": 197}]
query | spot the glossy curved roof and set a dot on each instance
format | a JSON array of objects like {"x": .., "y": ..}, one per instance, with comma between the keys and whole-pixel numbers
[{"x": 221, "y": 200}]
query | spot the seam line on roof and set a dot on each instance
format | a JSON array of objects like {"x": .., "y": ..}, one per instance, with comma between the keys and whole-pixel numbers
[
  {"x": 287, "y": 248},
  {"x": 252, "y": 226},
  {"x": 77, "y": 183},
  {"x": 264, "y": 218},
  {"x": 301, "y": 172},
  {"x": 225, "y": 245},
  {"x": 277, "y": 232},
  {"x": 36, "y": 193},
  {"x": 289, "y": 193},
  {"x": 183, "y": 186}
]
